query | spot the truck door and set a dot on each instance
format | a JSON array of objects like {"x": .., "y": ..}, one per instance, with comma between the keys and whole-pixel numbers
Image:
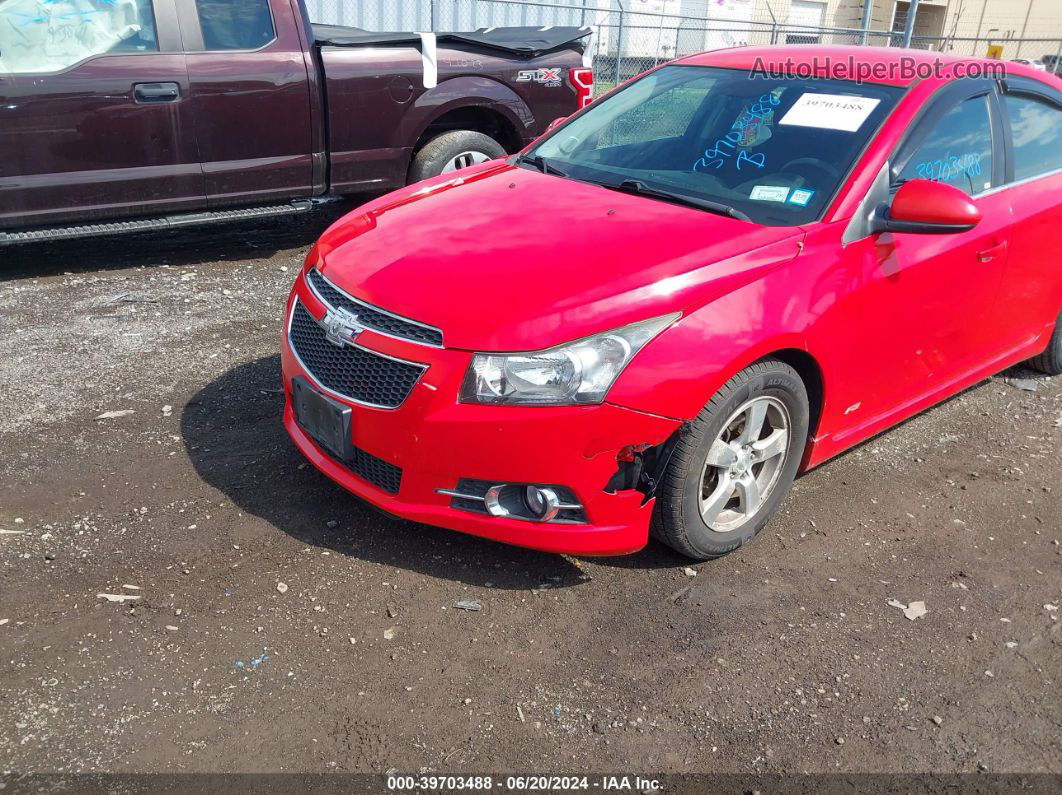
[
  {"x": 94, "y": 118},
  {"x": 251, "y": 99}
]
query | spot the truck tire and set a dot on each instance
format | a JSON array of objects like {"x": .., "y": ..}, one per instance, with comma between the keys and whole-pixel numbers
[
  {"x": 1050, "y": 361},
  {"x": 452, "y": 151},
  {"x": 729, "y": 474}
]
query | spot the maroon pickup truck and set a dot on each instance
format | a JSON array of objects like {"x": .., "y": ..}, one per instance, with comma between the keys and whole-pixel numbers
[{"x": 122, "y": 115}]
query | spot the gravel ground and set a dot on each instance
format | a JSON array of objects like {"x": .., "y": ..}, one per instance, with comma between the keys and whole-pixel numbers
[{"x": 282, "y": 625}]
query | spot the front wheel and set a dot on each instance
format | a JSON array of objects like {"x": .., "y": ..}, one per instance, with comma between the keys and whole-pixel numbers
[
  {"x": 453, "y": 151},
  {"x": 730, "y": 472}
]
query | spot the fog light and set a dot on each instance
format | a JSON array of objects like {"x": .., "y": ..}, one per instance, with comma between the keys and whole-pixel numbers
[
  {"x": 542, "y": 503},
  {"x": 517, "y": 501}
]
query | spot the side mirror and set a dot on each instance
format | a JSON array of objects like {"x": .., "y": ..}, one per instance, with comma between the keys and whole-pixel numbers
[
  {"x": 921, "y": 207},
  {"x": 556, "y": 123}
]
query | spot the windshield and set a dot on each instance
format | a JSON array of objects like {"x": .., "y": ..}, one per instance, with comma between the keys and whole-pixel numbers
[{"x": 773, "y": 150}]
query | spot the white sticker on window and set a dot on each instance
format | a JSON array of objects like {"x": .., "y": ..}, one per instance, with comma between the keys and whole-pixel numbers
[
  {"x": 769, "y": 193},
  {"x": 830, "y": 112}
]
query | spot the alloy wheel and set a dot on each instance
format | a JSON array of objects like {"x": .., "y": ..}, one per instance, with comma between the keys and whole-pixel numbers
[{"x": 743, "y": 464}]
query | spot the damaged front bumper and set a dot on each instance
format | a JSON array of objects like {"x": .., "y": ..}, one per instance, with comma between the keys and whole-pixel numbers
[{"x": 436, "y": 444}]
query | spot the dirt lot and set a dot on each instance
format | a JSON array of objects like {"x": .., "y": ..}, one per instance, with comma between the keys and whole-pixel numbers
[{"x": 785, "y": 656}]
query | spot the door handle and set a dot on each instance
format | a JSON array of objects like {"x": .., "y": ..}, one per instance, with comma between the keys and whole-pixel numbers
[
  {"x": 146, "y": 93},
  {"x": 989, "y": 254}
]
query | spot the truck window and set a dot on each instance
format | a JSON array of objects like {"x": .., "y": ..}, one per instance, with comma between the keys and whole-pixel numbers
[
  {"x": 235, "y": 24},
  {"x": 43, "y": 38}
]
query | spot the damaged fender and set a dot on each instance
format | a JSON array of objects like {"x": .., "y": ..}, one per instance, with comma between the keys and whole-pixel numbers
[{"x": 641, "y": 467}]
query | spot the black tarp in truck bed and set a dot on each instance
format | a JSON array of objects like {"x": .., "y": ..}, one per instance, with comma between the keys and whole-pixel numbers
[{"x": 525, "y": 42}]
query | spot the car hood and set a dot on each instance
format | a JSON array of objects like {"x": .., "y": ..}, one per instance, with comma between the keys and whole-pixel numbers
[{"x": 507, "y": 259}]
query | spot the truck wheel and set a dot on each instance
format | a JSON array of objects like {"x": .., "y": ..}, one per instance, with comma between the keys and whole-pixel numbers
[
  {"x": 730, "y": 472},
  {"x": 452, "y": 151},
  {"x": 1050, "y": 361}
]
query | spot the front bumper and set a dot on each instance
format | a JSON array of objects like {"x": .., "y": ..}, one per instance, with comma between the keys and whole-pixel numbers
[{"x": 437, "y": 441}]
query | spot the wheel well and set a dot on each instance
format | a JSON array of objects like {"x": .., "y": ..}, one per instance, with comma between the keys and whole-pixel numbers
[
  {"x": 810, "y": 373},
  {"x": 477, "y": 119}
]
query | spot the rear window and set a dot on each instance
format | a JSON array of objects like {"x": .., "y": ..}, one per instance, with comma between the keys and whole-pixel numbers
[
  {"x": 235, "y": 24},
  {"x": 1037, "y": 128}
]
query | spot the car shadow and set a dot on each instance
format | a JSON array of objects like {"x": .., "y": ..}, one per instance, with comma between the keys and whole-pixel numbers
[
  {"x": 234, "y": 436},
  {"x": 228, "y": 242}
]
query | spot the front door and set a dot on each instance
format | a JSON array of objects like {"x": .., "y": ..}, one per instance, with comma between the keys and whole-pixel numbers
[
  {"x": 250, "y": 79},
  {"x": 94, "y": 114},
  {"x": 930, "y": 299}
]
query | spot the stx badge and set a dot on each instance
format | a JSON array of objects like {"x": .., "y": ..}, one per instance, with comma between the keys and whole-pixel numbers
[{"x": 548, "y": 77}]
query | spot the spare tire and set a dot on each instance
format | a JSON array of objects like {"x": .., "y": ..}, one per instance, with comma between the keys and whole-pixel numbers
[{"x": 453, "y": 151}]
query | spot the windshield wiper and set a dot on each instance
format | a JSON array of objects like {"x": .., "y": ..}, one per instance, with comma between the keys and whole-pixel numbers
[
  {"x": 539, "y": 162},
  {"x": 638, "y": 187}
]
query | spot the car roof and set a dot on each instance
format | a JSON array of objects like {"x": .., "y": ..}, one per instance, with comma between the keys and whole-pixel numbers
[{"x": 888, "y": 62}]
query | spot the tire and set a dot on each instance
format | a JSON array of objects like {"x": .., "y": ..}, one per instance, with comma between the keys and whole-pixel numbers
[
  {"x": 1050, "y": 361},
  {"x": 677, "y": 517},
  {"x": 437, "y": 155}
]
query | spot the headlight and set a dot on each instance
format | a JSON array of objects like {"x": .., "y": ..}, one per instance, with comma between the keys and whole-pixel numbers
[{"x": 572, "y": 374}]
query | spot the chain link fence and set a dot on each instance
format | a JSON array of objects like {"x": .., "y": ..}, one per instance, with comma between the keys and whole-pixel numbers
[{"x": 631, "y": 36}]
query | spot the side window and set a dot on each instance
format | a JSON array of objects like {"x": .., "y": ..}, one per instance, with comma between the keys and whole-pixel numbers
[
  {"x": 235, "y": 24},
  {"x": 1037, "y": 128},
  {"x": 667, "y": 115},
  {"x": 48, "y": 36},
  {"x": 958, "y": 150}
]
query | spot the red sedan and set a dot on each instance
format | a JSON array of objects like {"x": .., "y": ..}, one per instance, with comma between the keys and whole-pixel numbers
[{"x": 724, "y": 272}]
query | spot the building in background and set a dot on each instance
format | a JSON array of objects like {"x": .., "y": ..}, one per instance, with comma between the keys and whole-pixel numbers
[{"x": 1023, "y": 28}]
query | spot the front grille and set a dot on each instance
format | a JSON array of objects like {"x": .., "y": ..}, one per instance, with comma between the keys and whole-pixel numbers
[
  {"x": 384, "y": 476},
  {"x": 372, "y": 318},
  {"x": 351, "y": 372}
]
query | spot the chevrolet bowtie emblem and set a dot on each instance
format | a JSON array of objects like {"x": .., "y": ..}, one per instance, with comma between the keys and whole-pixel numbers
[{"x": 341, "y": 327}]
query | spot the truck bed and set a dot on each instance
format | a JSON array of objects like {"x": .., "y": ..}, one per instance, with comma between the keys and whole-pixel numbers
[
  {"x": 389, "y": 93},
  {"x": 528, "y": 42}
]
